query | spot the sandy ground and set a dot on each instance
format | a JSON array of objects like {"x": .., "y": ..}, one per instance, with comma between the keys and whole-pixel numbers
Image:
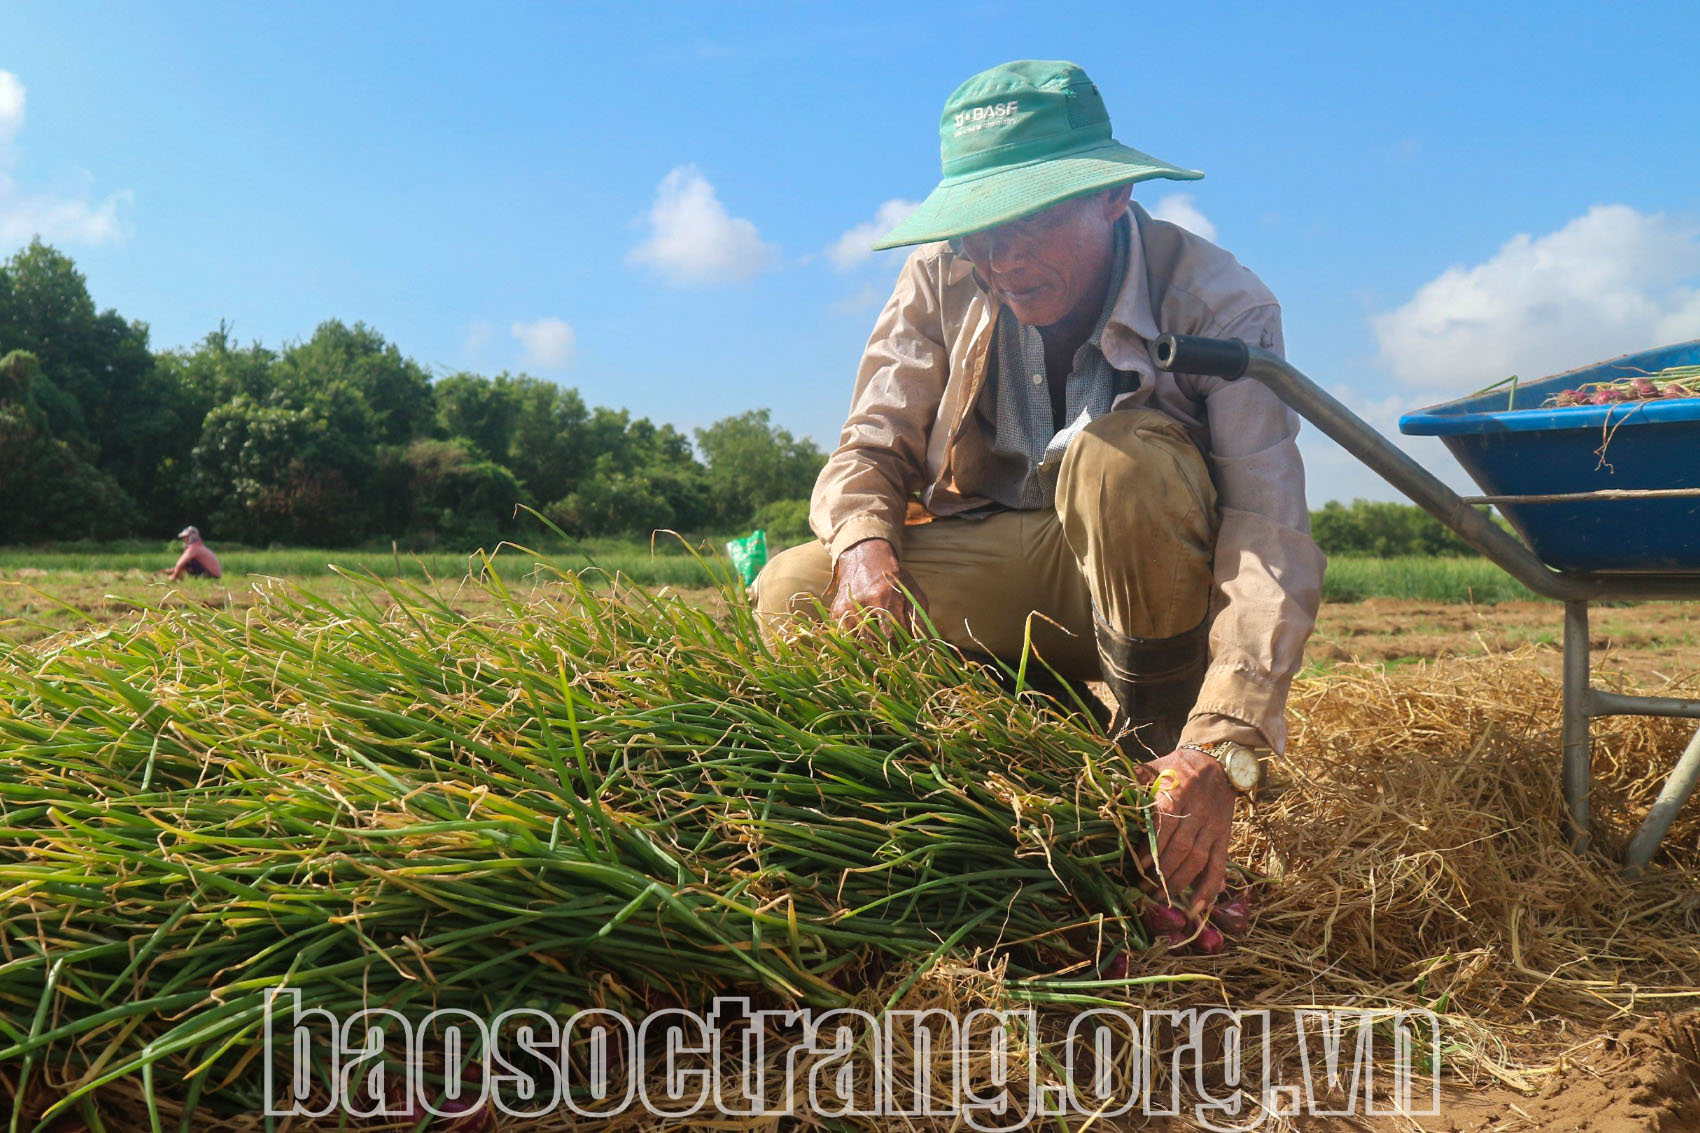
[
  {"x": 1644, "y": 1078},
  {"x": 1643, "y": 644},
  {"x": 1646, "y": 1075}
]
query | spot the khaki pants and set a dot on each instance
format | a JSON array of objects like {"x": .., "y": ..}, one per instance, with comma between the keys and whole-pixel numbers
[{"x": 1132, "y": 534}]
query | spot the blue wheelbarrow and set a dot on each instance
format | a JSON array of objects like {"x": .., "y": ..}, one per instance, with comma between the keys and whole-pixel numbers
[{"x": 1605, "y": 498}]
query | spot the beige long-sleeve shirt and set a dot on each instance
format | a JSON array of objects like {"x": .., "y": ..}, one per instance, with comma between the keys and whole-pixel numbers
[{"x": 911, "y": 434}]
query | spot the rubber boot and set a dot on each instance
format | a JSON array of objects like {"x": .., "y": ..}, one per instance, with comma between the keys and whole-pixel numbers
[{"x": 1155, "y": 682}]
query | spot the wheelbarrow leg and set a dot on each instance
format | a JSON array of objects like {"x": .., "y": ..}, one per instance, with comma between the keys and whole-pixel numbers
[
  {"x": 1683, "y": 778},
  {"x": 1575, "y": 736}
]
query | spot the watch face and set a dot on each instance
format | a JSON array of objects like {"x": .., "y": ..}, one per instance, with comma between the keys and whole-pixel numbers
[{"x": 1242, "y": 768}]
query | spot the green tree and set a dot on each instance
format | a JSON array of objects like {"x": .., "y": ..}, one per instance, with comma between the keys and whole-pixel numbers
[
  {"x": 96, "y": 361},
  {"x": 483, "y": 410},
  {"x": 548, "y": 448},
  {"x": 289, "y": 473},
  {"x": 195, "y": 381},
  {"x": 612, "y": 502},
  {"x": 458, "y": 495},
  {"x": 395, "y": 388},
  {"x": 1382, "y": 529},
  {"x": 217, "y": 369},
  {"x": 686, "y": 491},
  {"x": 785, "y": 521},
  {"x": 67, "y": 496},
  {"x": 564, "y": 452},
  {"x": 752, "y": 462}
]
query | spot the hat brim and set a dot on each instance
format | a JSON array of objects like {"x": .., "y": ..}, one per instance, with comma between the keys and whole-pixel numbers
[{"x": 960, "y": 205}]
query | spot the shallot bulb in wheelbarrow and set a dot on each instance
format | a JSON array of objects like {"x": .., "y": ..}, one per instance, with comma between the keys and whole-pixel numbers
[{"x": 1676, "y": 381}]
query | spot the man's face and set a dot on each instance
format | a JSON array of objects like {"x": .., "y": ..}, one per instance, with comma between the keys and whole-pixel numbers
[{"x": 1049, "y": 264}]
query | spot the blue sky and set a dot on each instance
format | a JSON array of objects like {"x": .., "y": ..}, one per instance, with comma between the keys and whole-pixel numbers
[{"x": 651, "y": 202}]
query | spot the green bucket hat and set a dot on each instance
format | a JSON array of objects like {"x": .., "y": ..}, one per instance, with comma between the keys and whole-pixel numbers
[{"x": 1017, "y": 138}]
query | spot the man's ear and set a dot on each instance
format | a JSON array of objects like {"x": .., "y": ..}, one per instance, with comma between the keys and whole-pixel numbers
[{"x": 1116, "y": 199}]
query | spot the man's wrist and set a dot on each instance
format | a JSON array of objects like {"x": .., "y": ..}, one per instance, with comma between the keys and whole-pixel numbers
[
  {"x": 859, "y": 529},
  {"x": 864, "y": 545},
  {"x": 1211, "y": 727},
  {"x": 875, "y": 549}
]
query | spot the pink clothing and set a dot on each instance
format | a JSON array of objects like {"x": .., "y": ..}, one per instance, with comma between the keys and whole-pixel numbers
[{"x": 197, "y": 559}]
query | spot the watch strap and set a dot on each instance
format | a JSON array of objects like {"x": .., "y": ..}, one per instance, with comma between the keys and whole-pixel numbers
[{"x": 1222, "y": 751}]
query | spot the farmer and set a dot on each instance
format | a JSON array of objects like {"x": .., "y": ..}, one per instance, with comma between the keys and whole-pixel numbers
[
  {"x": 197, "y": 560},
  {"x": 1014, "y": 463}
]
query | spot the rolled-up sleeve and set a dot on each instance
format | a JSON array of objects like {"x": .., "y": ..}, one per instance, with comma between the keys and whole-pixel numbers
[
  {"x": 863, "y": 491},
  {"x": 1268, "y": 569}
]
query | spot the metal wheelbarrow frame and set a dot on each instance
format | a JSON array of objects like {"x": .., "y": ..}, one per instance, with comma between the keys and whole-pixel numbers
[{"x": 1233, "y": 359}]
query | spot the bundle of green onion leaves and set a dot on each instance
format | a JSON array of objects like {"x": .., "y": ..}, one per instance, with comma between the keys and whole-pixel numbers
[{"x": 575, "y": 795}]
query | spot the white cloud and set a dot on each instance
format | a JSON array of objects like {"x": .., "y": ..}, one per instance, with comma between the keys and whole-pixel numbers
[
  {"x": 548, "y": 343},
  {"x": 1612, "y": 281},
  {"x": 1331, "y": 473},
  {"x": 11, "y": 106},
  {"x": 1178, "y": 208},
  {"x": 58, "y": 219},
  {"x": 855, "y": 246},
  {"x": 692, "y": 238}
]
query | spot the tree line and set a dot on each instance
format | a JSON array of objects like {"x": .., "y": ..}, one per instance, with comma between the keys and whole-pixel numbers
[
  {"x": 333, "y": 441},
  {"x": 341, "y": 439},
  {"x": 1382, "y": 530}
]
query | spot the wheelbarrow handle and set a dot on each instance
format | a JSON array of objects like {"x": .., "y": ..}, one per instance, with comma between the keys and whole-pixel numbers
[
  {"x": 1211, "y": 357},
  {"x": 1231, "y": 358}
]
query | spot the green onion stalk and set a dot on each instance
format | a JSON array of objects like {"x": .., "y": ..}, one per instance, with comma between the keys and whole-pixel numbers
[{"x": 592, "y": 797}]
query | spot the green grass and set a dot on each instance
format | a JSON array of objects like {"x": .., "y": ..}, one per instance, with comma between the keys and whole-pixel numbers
[
  {"x": 667, "y": 563},
  {"x": 43, "y": 592},
  {"x": 1479, "y": 581}
]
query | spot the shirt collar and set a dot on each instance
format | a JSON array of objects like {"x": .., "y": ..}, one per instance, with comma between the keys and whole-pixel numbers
[
  {"x": 1112, "y": 293},
  {"x": 1131, "y": 312}
]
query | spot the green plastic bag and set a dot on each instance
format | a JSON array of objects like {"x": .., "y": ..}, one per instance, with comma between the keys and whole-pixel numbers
[{"x": 749, "y": 554}]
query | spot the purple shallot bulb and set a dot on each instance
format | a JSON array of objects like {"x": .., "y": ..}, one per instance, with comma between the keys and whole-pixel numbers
[
  {"x": 1232, "y": 917},
  {"x": 1165, "y": 923}
]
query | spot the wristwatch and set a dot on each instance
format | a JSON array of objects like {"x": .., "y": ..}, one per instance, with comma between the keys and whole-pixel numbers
[{"x": 1241, "y": 764}]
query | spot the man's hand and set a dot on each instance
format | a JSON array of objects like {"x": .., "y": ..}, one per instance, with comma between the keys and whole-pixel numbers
[
  {"x": 869, "y": 583},
  {"x": 1195, "y": 815}
]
